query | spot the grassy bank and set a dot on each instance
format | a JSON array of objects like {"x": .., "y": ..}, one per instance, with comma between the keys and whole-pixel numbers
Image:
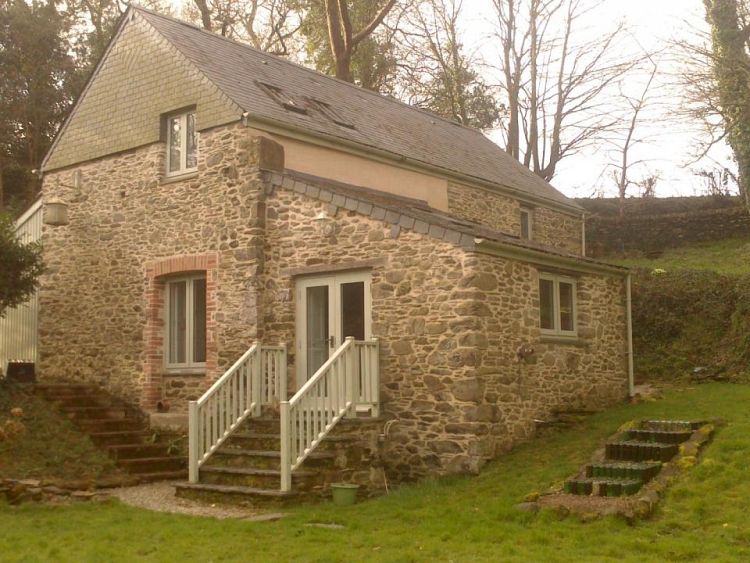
[
  {"x": 46, "y": 444},
  {"x": 728, "y": 257},
  {"x": 469, "y": 519}
]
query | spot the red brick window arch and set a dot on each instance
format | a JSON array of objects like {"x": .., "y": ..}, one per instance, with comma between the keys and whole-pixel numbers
[{"x": 177, "y": 280}]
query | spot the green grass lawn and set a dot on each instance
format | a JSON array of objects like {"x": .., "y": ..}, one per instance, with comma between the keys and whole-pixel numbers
[
  {"x": 731, "y": 256},
  {"x": 704, "y": 517}
]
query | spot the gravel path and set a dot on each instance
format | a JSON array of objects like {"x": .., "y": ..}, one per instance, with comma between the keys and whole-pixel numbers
[{"x": 160, "y": 497}]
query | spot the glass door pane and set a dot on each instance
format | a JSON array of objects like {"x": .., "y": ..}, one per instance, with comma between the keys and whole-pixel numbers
[
  {"x": 317, "y": 324},
  {"x": 177, "y": 322},
  {"x": 199, "y": 321},
  {"x": 353, "y": 310}
]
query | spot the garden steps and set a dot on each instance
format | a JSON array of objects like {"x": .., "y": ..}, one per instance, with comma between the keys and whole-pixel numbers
[
  {"x": 246, "y": 468},
  {"x": 633, "y": 459},
  {"x": 116, "y": 427}
]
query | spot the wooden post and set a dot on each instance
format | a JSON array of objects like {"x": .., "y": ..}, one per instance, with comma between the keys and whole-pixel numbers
[
  {"x": 283, "y": 374},
  {"x": 255, "y": 378},
  {"x": 193, "y": 441},
  {"x": 375, "y": 378},
  {"x": 286, "y": 461},
  {"x": 352, "y": 376}
]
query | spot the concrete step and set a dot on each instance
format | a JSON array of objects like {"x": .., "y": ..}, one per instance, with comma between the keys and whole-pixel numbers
[
  {"x": 236, "y": 495},
  {"x": 252, "y": 440},
  {"x": 95, "y": 413},
  {"x": 264, "y": 459},
  {"x": 110, "y": 424},
  {"x": 152, "y": 464},
  {"x": 134, "y": 451},
  {"x": 177, "y": 475},
  {"x": 255, "y": 478},
  {"x": 119, "y": 437}
]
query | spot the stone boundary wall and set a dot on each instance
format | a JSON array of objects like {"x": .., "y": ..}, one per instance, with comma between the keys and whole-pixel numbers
[{"x": 652, "y": 225}]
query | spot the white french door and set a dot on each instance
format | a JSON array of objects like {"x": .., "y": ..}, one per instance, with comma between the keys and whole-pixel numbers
[{"x": 329, "y": 308}]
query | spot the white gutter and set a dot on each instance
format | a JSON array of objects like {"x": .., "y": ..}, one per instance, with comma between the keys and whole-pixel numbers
[{"x": 629, "y": 314}]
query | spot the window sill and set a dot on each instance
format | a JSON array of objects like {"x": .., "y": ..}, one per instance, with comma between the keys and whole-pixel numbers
[
  {"x": 196, "y": 372},
  {"x": 178, "y": 177},
  {"x": 559, "y": 339}
]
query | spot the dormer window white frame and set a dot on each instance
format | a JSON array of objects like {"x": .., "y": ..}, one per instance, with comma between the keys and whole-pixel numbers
[
  {"x": 182, "y": 144},
  {"x": 558, "y": 305},
  {"x": 527, "y": 223}
]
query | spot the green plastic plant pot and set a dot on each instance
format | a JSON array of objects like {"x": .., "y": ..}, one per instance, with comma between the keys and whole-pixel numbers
[{"x": 344, "y": 494}]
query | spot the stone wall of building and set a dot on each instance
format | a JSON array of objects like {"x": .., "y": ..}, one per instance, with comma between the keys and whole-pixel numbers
[
  {"x": 449, "y": 324},
  {"x": 557, "y": 229},
  {"x": 496, "y": 210},
  {"x": 503, "y": 213},
  {"x": 95, "y": 321},
  {"x": 511, "y": 390}
]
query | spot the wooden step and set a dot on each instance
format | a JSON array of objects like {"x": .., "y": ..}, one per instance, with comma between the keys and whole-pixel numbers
[
  {"x": 254, "y": 478},
  {"x": 236, "y": 495},
  {"x": 98, "y": 412}
]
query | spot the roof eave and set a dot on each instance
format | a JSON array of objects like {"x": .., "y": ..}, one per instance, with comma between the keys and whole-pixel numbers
[{"x": 548, "y": 259}]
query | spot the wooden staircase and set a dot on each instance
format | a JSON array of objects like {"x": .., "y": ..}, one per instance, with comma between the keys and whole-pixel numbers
[
  {"x": 116, "y": 427},
  {"x": 246, "y": 469}
]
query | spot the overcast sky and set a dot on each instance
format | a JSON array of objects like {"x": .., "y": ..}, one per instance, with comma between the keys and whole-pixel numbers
[{"x": 652, "y": 24}]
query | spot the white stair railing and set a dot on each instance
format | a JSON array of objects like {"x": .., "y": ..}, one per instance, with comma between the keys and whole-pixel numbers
[
  {"x": 348, "y": 378},
  {"x": 257, "y": 378}
]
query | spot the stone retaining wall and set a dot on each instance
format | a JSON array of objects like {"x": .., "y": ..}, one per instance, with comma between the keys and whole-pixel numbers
[{"x": 652, "y": 225}]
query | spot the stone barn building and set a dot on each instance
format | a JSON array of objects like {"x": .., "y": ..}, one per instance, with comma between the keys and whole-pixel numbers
[{"x": 328, "y": 255}]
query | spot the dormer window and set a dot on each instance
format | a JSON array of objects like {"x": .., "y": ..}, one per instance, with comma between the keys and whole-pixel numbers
[
  {"x": 182, "y": 144},
  {"x": 526, "y": 223}
]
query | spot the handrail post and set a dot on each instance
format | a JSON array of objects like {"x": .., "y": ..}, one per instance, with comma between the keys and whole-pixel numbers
[
  {"x": 352, "y": 378},
  {"x": 286, "y": 461},
  {"x": 193, "y": 441},
  {"x": 375, "y": 376},
  {"x": 256, "y": 378},
  {"x": 283, "y": 374}
]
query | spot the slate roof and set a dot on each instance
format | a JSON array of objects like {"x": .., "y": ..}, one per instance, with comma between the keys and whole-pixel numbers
[
  {"x": 413, "y": 214},
  {"x": 376, "y": 121}
]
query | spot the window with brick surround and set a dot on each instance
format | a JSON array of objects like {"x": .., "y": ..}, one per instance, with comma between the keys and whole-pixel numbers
[
  {"x": 185, "y": 321},
  {"x": 182, "y": 144},
  {"x": 557, "y": 305}
]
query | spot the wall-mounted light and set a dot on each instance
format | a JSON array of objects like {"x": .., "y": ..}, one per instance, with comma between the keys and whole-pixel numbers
[
  {"x": 325, "y": 223},
  {"x": 55, "y": 213}
]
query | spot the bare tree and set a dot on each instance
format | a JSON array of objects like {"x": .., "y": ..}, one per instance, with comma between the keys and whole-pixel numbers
[
  {"x": 268, "y": 25},
  {"x": 556, "y": 78},
  {"x": 342, "y": 37},
  {"x": 436, "y": 72},
  {"x": 630, "y": 140}
]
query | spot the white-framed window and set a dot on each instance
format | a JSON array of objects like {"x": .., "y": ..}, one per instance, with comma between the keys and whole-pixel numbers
[
  {"x": 185, "y": 314},
  {"x": 182, "y": 144},
  {"x": 526, "y": 223},
  {"x": 557, "y": 305}
]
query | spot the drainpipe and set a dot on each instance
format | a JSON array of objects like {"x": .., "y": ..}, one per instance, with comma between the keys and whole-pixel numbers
[
  {"x": 629, "y": 313},
  {"x": 583, "y": 234}
]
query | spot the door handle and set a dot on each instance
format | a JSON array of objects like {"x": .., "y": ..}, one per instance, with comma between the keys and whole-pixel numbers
[{"x": 331, "y": 341}]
